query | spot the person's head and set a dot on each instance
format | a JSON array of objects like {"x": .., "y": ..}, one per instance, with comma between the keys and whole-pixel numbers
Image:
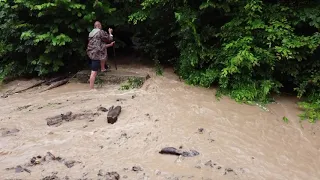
[{"x": 98, "y": 25}]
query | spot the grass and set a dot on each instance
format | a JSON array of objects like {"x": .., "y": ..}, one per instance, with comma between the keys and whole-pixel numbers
[{"x": 131, "y": 83}]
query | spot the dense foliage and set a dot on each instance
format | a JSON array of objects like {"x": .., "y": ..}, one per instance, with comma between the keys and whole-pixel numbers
[{"x": 249, "y": 48}]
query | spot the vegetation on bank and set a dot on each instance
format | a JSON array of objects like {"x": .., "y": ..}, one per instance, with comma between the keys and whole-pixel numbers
[{"x": 249, "y": 48}]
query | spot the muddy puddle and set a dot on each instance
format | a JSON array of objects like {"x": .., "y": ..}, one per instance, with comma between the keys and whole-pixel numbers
[{"x": 234, "y": 141}]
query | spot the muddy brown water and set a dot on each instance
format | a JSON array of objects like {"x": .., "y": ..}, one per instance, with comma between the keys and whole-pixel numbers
[{"x": 240, "y": 141}]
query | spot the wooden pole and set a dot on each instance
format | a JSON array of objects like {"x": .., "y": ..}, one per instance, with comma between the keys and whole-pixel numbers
[{"x": 114, "y": 54}]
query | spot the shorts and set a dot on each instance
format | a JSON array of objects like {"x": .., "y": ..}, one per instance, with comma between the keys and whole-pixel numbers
[{"x": 95, "y": 65}]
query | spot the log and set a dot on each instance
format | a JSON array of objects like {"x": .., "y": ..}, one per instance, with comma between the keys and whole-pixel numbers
[
  {"x": 57, "y": 120},
  {"x": 113, "y": 114},
  {"x": 171, "y": 150},
  {"x": 30, "y": 87},
  {"x": 55, "y": 80},
  {"x": 57, "y": 84},
  {"x": 5, "y": 95},
  {"x": 177, "y": 152}
]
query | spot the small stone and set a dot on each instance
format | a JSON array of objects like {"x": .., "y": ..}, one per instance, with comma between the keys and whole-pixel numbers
[
  {"x": 229, "y": 170},
  {"x": 125, "y": 177},
  {"x": 198, "y": 167},
  {"x": 91, "y": 120},
  {"x": 219, "y": 167},
  {"x": 85, "y": 126}
]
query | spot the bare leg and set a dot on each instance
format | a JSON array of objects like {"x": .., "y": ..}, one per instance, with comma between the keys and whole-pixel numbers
[
  {"x": 103, "y": 65},
  {"x": 93, "y": 78}
]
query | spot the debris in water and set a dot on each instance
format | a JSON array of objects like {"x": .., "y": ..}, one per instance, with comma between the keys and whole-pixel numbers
[
  {"x": 70, "y": 164},
  {"x": 103, "y": 109},
  {"x": 174, "y": 151},
  {"x": 53, "y": 177},
  {"x": 200, "y": 130},
  {"x": 101, "y": 173},
  {"x": 112, "y": 176},
  {"x": 9, "y": 132},
  {"x": 69, "y": 116},
  {"x": 57, "y": 120},
  {"x": 209, "y": 163},
  {"x": 227, "y": 170},
  {"x": 23, "y": 107},
  {"x": 113, "y": 114},
  {"x": 19, "y": 169},
  {"x": 35, "y": 160},
  {"x": 158, "y": 172},
  {"x": 136, "y": 168}
]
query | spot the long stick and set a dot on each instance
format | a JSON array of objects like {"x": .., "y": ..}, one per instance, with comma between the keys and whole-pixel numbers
[{"x": 114, "y": 54}]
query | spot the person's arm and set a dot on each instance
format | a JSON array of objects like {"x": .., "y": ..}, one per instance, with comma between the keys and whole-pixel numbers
[
  {"x": 110, "y": 45},
  {"x": 107, "y": 37}
]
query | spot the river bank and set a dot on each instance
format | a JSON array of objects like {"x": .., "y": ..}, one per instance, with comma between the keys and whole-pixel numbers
[{"x": 235, "y": 141}]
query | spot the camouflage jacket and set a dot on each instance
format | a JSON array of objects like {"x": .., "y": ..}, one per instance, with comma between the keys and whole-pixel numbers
[{"x": 97, "y": 49}]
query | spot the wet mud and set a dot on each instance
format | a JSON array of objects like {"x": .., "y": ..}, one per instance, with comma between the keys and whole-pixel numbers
[{"x": 65, "y": 133}]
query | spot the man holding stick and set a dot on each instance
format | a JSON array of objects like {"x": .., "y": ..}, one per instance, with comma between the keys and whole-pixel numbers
[{"x": 99, "y": 41}]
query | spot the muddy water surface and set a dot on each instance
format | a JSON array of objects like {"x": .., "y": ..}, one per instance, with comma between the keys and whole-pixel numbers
[{"x": 234, "y": 141}]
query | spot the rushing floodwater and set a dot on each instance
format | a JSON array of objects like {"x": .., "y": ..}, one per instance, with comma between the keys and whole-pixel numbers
[{"x": 255, "y": 144}]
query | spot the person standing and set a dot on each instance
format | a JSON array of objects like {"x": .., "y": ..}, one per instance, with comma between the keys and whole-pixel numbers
[{"x": 99, "y": 41}]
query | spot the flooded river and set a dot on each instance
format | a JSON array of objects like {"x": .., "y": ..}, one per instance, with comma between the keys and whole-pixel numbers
[{"x": 235, "y": 141}]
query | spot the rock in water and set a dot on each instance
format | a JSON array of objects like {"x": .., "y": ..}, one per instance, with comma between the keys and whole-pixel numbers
[
  {"x": 113, "y": 114},
  {"x": 112, "y": 176}
]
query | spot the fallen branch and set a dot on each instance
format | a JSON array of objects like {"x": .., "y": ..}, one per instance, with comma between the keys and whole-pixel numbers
[
  {"x": 57, "y": 84},
  {"x": 5, "y": 95},
  {"x": 55, "y": 80},
  {"x": 30, "y": 87}
]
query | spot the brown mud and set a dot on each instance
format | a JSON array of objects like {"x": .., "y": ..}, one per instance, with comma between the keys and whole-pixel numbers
[{"x": 234, "y": 141}]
